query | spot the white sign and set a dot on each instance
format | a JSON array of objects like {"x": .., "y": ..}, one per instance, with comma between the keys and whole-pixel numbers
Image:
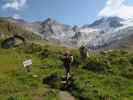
[{"x": 27, "y": 63}]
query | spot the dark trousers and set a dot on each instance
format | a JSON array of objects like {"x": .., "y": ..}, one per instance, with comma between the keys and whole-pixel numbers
[{"x": 67, "y": 68}]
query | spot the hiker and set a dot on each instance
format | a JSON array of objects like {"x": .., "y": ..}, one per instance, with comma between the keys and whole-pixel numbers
[
  {"x": 83, "y": 52},
  {"x": 67, "y": 61}
]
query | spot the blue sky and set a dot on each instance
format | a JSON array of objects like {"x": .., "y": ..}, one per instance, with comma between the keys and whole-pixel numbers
[{"x": 71, "y": 12}]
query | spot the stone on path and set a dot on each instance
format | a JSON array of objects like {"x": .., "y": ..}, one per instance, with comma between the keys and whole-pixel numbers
[{"x": 63, "y": 95}]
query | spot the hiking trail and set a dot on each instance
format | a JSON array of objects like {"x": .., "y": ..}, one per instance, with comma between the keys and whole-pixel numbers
[{"x": 63, "y": 95}]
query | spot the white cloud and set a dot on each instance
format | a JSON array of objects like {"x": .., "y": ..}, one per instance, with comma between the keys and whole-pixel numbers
[
  {"x": 16, "y": 16},
  {"x": 117, "y": 8},
  {"x": 14, "y": 4}
]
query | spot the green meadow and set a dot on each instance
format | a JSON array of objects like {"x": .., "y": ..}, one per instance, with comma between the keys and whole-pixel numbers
[{"x": 101, "y": 76}]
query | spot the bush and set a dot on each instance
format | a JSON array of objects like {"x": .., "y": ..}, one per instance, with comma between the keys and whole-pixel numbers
[
  {"x": 54, "y": 81},
  {"x": 44, "y": 54},
  {"x": 96, "y": 64},
  {"x": 128, "y": 73},
  {"x": 32, "y": 48}
]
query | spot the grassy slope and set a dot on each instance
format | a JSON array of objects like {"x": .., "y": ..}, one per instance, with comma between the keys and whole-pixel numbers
[
  {"x": 8, "y": 29},
  {"x": 105, "y": 76},
  {"x": 113, "y": 82},
  {"x": 16, "y": 84}
]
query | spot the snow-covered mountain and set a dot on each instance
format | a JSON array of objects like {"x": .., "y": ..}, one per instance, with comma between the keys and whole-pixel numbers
[
  {"x": 107, "y": 32},
  {"x": 112, "y": 22}
]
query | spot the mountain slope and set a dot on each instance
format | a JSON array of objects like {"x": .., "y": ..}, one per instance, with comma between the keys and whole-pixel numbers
[
  {"x": 111, "y": 36},
  {"x": 8, "y": 28},
  {"x": 101, "y": 34},
  {"x": 99, "y": 77},
  {"x": 111, "y": 21},
  {"x": 51, "y": 29}
]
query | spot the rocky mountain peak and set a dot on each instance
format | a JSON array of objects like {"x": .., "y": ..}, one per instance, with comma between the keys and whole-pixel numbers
[
  {"x": 113, "y": 22},
  {"x": 50, "y": 21}
]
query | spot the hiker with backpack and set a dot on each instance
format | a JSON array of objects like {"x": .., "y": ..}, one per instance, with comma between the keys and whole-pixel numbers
[
  {"x": 67, "y": 61},
  {"x": 83, "y": 52}
]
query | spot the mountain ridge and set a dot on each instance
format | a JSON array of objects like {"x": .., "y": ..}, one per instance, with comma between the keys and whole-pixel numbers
[{"x": 101, "y": 32}]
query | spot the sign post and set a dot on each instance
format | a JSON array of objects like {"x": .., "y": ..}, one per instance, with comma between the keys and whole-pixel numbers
[{"x": 27, "y": 64}]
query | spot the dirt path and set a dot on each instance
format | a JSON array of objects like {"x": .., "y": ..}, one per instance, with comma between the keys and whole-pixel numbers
[{"x": 63, "y": 95}]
